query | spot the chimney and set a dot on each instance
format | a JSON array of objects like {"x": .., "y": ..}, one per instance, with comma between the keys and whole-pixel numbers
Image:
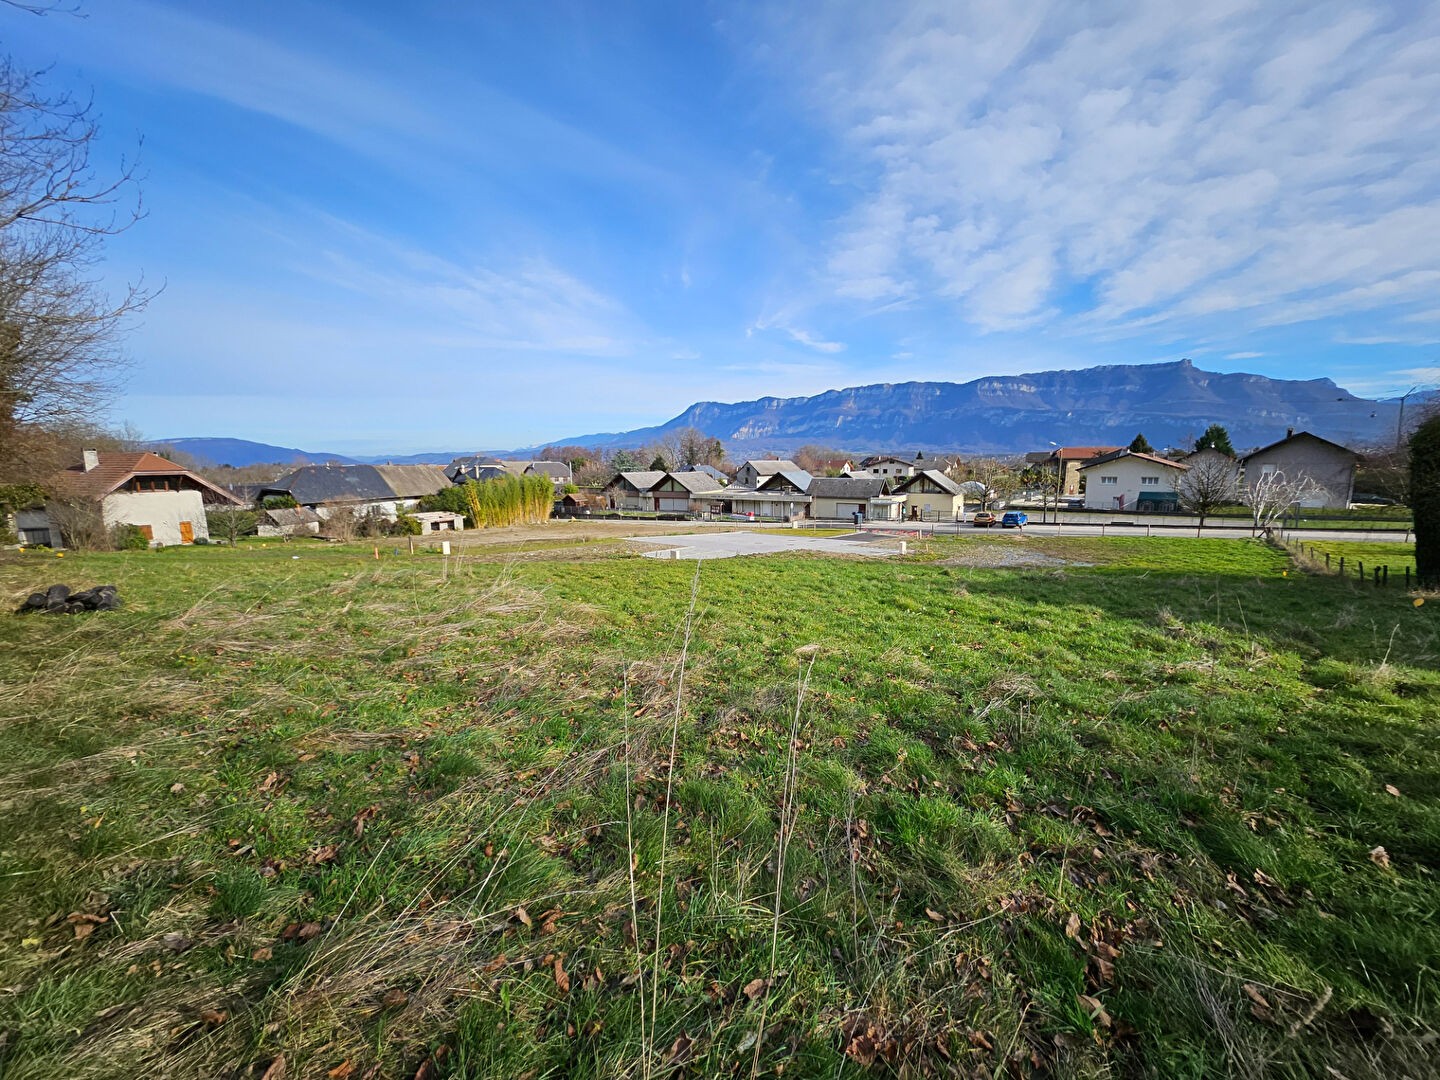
[
  {"x": 90, "y": 459},
  {"x": 1289, "y": 433}
]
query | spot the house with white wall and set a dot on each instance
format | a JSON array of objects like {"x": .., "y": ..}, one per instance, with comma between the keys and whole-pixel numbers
[
  {"x": 1125, "y": 481},
  {"x": 165, "y": 501},
  {"x": 930, "y": 495},
  {"x": 752, "y": 472}
]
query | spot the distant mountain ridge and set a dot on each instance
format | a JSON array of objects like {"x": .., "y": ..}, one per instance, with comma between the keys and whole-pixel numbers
[
  {"x": 209, "y": 450},
  {"x": 1172, "y": 403}
]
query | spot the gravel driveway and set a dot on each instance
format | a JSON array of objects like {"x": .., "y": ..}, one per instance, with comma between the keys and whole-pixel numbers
[{"x": 727, "y": 545}]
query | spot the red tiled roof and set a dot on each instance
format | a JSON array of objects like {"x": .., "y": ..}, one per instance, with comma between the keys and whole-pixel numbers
[{"x": 116, "y": 467}]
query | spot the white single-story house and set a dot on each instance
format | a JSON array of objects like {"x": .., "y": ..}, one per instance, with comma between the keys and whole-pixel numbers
[
  {"x": 165, "y": 501},
  {"x": 1126, "y": 481},
  {"x": 930, "y": 495}
]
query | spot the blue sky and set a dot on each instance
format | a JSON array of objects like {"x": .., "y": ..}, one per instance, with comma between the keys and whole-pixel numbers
[{"x": 432, "y": 226}]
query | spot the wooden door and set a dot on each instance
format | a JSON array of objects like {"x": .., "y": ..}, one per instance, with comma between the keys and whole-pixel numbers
[{"x": 187, "y": 532}]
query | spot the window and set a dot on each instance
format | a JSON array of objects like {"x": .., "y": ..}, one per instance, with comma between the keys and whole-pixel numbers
[
  {"x": 1150, "y": 481},
  {"x": 1109, "y": 479},
  {"x": 1267, "y": 470}
]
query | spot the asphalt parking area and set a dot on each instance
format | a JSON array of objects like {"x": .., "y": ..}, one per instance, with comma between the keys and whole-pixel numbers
[{"x": 727, "y": 545}]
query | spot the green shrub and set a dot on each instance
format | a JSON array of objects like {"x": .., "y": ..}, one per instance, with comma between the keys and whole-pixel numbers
[
  {"x": 1425, "y": 500},
  {"x": 278, "y": 502},
  {"x": 129, "y": 538}
]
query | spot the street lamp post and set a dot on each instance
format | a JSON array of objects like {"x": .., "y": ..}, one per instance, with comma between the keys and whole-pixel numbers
[{"x": 1400, "y": 420}]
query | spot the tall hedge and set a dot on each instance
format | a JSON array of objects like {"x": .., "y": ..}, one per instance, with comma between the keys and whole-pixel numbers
[{"x": 1425, "y": 500}]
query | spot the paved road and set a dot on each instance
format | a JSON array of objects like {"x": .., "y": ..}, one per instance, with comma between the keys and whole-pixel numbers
[
  {"x": 1036, "y": 529},
  {"x": 726, "y": 545}
]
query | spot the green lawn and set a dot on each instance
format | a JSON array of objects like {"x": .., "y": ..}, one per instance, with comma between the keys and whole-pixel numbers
[
  {"x": 1398, "y": 557},
  {"x": 1175, "y": 813}
]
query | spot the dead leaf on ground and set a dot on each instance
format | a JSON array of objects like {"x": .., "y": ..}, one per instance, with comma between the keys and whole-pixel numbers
[
  {"x": 1072, "y": 926},
  {"x": 269, "y": 781},
  {"x": 262, "y": 953},
  {"x": 1095, "y": 1009},
  {"x": 176, "y": 788},
  {"x": 934, "y": 916},
  {"x": 324, "y": 854},
  {"x": 341, "y": 1071},
  {"x": 523, "y": 916},
  {"x": 309, "y": 930},
  {"x": 1391, "y": 789},
  {"x": 562, "y": 979},
  {"x": 395, "y": 998},
  {"x": 679, "y": 1050},
  {"x": 213, "y": 1018},
  {"x": 276, "y": 1069},
  {"x": 754, "y": 988},
  {"x": 1380, "y": 857},
  {"x": 175, "y": 942}
]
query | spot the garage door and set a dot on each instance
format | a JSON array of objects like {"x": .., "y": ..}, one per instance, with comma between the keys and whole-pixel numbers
[
  {"x": 846, "y": 510},
  {"x": 674, "y": 505}
]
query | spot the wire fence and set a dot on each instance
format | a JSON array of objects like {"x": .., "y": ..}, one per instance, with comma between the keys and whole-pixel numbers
[{"x": 1376, "y": 572}]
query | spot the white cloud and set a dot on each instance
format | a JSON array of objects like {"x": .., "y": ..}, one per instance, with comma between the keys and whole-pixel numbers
[
  {"x": 1243, "y": 355},
  {"x": 1134, "y": 165}
]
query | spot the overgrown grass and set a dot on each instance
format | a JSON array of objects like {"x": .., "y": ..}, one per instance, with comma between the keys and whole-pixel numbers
[{"x": 1175, "y": 813}]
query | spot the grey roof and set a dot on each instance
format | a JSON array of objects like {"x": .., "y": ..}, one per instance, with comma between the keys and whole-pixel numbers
[
  {"x": 939, "y": 479},
  {"x": 555, "y": 470},
  {"x": 769, "y": 466},
  {"x": 642, "y": 480},
  {"x": 1116, "y": 455},
  {"x": 288, "y": 517},
  {"x": 697, "y": 483},
  {"x": 846, "y": 487},
  {"x": 311, "y": 485},
  {"x": 469, "y": 461},
  {"x": 1295, "y": 437},
  {"x": 796, "y": 475},
  {"x": 708, "y": 470}
]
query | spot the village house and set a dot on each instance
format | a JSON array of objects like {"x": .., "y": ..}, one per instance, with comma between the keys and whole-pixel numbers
[
  {"x": 753, "y": 471},
  {"x": 794, "y": 480},
  {"x": 165, "y": 501},
  {"x": 783, "y": 503},
  {"x": 930, "y": 495},
  {"x": 483, "y": 467},
  {"x": 361, "y": 489},
  {"x": 890, "y": 467},
  {"x": 1329, "y": 464},
  {"x": 1126, "y": 481},
  {"x": 842, "y": 497},
  {"x": 630, "y": 490},
  {"x": 1065, "y": 463}
]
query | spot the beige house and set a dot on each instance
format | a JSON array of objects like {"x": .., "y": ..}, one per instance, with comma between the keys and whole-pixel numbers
[
  {"x": 1127, "y": 481},
  {"x": 165, "y": 501},
  {"x": 930, "y": 495}
]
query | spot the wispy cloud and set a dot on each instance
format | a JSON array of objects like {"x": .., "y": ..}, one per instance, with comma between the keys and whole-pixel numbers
[
  {"x": 1243, "y": 355},
  {"x": 1134, "y": 166}
]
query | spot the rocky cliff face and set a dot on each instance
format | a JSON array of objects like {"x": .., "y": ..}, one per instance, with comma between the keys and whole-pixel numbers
[{"x": 1171, "y": 403}]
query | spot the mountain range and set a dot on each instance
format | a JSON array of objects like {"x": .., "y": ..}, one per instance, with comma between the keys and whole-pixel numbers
[{"x": 1170, "y": 403}]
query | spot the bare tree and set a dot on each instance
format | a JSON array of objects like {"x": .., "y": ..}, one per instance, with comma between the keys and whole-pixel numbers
[
  {"x": 999, "y": 478},
  {"x": 59, "y": 332},
  {"x": 1272, "y": 495},
  {"x": 1212, "y": 481}
]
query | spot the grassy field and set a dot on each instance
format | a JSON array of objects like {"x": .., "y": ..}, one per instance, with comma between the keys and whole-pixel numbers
[
  {"x": 1173, "y": 813},
  {"x": 1396, "y": 556}
]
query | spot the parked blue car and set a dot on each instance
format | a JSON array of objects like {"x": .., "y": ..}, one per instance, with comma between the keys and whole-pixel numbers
[{"x": 1013, "y": 519}]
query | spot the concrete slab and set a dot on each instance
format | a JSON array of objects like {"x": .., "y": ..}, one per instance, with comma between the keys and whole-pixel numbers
[{"x": 727, "y": 545}]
